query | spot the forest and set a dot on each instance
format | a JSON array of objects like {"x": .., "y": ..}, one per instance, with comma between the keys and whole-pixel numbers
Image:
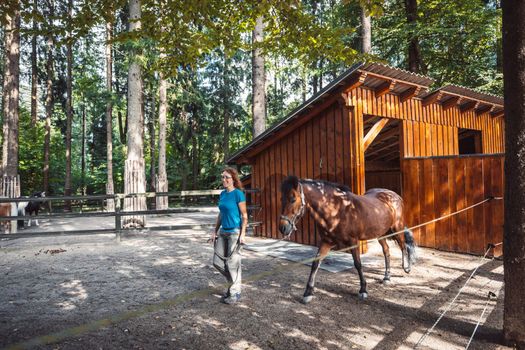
[{"x": 209, "y": 76}]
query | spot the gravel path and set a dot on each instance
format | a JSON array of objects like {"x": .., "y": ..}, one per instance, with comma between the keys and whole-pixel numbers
[{"x": 158, "y": 290}]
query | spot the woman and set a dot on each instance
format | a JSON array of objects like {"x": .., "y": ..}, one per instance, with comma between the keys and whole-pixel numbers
[{"x": 229, "y": 233}]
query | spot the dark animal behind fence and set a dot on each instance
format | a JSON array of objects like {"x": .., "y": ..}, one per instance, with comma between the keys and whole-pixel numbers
[
  {"x": 344, "y": 219},
  {"x": 31, "y": 207}
]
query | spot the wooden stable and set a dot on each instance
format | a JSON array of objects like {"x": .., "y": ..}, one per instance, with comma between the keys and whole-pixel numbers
[{"x": 377, "y": 126}]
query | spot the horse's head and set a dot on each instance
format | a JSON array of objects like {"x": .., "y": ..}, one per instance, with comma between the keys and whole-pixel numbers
[{"x": 292, "y": 203}]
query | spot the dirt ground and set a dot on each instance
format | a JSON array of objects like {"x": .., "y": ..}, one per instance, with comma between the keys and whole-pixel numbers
[{"x": 159, "y": 291}]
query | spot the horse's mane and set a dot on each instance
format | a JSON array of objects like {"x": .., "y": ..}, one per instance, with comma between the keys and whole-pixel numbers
[
  {"x": 335, "y": 186},
  {"x": 289, "y": 183}
]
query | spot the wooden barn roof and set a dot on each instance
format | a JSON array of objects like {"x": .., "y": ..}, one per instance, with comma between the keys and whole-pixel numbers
[
  {"x": 466, "y": 98},
  {"x": 382, "y": 79}
]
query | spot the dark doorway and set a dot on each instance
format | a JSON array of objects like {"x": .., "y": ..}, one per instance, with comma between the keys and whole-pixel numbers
[
  {"x": 469, "y": 141},
  {"x": 382, "y": 157}
]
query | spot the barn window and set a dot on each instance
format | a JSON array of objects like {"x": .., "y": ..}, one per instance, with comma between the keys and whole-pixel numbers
[{"x": 469, "y": 141}]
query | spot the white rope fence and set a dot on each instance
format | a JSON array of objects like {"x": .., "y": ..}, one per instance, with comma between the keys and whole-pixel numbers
[
  {"x": 425, "y": 223},
  {"x": 427, "y": 333}
]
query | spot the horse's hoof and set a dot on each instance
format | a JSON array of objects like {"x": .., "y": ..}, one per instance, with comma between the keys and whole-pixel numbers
[
  {"x": 386, "y": 281},
  {"x": 363, "y": 296},
  {"x": 307, "y": 299},
  {"x": 407, "y": 270}
]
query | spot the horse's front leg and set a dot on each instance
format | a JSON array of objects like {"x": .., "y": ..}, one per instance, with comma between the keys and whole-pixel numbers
[
  {"x": 321, "y": 254},
  {"x": 356, "y": 255},
  {"x": 386, "y": 253}
]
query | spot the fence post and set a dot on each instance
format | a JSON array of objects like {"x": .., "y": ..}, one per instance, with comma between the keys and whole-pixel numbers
[
  {"x": 10, "y": 188},
  {"x": 118, "y": 219}
]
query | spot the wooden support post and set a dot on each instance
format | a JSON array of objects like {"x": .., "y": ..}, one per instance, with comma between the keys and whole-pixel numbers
[{"x": 357, "y": 156}]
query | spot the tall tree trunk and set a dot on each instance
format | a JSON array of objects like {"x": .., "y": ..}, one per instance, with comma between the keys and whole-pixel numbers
[
  {"x": 83, "y": 157},
  {"x": 162, "y": 180},
  {"x": 10, "y": 93},
  {"x": 194, "y": 155},
  {"x": 320, "y": 69},
  {"x": 34, "y": 69},
  {"x": 49, "y": 99},
  {"x": 415, "y": 62},
  {"x": 69, "y": 111},
  {"x": 109, "y": 116},
  {"x": 514, "y": 235},
  {"x": 304, "y": 84},
  {"x": 258, "y": 83},
  {"x": 151, "y": 127},
  {"x": 226, "y": 105},
  {"x": 122, "y": 126},
  {"x": 134, "y": 172},
  {"x": 366, "y": 31}
]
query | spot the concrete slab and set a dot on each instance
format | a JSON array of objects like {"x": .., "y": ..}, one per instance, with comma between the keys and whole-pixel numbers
[{"x": 334, "y": 262}]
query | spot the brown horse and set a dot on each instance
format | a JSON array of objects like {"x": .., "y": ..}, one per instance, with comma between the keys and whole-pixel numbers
[{"x": 343, "y": 219}]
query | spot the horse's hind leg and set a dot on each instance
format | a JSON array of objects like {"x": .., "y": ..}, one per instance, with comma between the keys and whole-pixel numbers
[
  {"x": 407, "y": 245},
  {"x": 356, "y": 255},
  {"x": 321, "y": 254},
  {"x": 386, "y": 253}
]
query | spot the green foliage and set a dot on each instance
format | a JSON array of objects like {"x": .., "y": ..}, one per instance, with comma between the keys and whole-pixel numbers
[
  {"x": 459, "y": 40},
  {"x": 31, "y": 155},
  {"x": 206, "y": 47}
]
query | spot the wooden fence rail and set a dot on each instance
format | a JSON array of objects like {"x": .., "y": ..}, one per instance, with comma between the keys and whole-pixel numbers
[{"x": 118, "y": 214}]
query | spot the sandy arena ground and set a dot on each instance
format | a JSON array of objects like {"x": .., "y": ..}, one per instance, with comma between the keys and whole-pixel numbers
[{"x": 159, "y": 291}]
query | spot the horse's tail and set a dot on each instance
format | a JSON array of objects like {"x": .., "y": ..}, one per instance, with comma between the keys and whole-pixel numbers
[{"x": 411, "y": 245}]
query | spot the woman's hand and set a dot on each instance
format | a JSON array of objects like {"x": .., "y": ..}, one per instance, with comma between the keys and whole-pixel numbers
[{"x": 213, "y": 237}]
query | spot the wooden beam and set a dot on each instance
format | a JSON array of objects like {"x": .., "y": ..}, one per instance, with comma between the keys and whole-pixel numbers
[
  {"x": 451, "y": 102},
  {"x": 385, "y": 77},
  {"x": 356, "y": 81},
  {"x": 432, "y": 98},
  {"x": 357, "y": 155},
  {"x": 373, "y": 132},
  {"x": 387, "y": 145},
  {"x": 409, "y": 93},
  {"x": 394, "y": 149},
  {"x": 483, "y": 108},
  {"x": 466, "y": 107},
  {"x": 345, "y": 98},
  {"x": 390, "y": 133},
  {"x": 384, "y": 88},
  {"x": 498, "y": 113}
]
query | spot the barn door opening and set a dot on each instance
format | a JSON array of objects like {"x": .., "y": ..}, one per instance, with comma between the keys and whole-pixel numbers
[{"x": 382, "y": 153}]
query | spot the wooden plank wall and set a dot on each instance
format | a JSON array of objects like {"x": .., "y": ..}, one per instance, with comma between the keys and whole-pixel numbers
[
  {"x": 431, "y": 130},
  {"x": 433, "y": 187},
  {"x": 319, "y": 149}
]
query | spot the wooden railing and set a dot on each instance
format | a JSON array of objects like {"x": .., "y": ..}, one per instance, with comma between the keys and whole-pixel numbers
[{"x": 188, "y": 201}]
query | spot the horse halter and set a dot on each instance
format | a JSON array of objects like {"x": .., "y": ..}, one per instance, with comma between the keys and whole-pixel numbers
[{"x": 299, "y": 214}]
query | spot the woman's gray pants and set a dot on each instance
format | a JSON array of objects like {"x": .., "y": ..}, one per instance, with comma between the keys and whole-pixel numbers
[{"x": 227, "y": 259}]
